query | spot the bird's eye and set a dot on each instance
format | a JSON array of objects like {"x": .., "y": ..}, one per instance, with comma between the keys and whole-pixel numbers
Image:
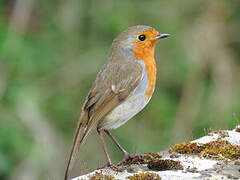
[{"x": 142, "y": 37}]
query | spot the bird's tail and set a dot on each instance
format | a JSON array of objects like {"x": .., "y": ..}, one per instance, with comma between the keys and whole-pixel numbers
[{"x": 81, "y": 132}]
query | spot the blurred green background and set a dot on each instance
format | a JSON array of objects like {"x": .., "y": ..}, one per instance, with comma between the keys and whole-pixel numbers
[{"x": 51, "y": 51}]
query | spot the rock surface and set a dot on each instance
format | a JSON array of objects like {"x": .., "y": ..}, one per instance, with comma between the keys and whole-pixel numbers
[{"x": 215, "y": 156}]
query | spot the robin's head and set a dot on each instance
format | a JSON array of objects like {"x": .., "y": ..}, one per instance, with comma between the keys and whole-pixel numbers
[{"x": 138, "y": 40}]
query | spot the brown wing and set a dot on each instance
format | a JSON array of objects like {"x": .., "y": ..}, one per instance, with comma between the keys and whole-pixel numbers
[
  {"x": 116, "y": 80},
  {"x": 112, "y": 86}
]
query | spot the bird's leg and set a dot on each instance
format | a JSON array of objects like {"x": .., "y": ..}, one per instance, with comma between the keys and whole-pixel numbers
[
  {"x": 109, "y": 163},
  {"x": 126, "y": 154}
]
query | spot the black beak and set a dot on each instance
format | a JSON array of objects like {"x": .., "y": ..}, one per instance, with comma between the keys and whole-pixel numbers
[{"x": 160, "y": 36}]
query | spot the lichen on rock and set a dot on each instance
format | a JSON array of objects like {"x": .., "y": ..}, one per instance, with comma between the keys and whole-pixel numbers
[
  {"x": 218, "y": 149},
  {"x": 214, "y": 156},
  {"x": 145, "y": 176}
]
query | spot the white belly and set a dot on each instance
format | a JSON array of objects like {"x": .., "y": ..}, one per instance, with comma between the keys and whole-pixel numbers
[{"x": 135, "y": 102}]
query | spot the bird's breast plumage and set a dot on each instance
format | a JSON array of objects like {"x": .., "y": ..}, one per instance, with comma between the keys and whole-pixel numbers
[
  {"x": 151, "y": 75},
  {"x": 134, "y": 103}
]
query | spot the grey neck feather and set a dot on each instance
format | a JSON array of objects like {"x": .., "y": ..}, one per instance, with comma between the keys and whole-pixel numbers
[{"x": 120, "y": 50}]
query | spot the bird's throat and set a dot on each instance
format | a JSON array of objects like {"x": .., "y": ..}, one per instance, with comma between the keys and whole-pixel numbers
[{"x": 146, "y": 54}]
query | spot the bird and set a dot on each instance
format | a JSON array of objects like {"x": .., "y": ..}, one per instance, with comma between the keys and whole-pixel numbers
[{"x": 122, "y": 88}]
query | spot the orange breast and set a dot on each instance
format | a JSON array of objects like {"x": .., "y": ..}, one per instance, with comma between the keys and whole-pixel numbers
[{"x": 146, "y": 53}]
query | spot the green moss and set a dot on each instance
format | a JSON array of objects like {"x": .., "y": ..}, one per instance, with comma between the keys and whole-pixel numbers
[
  {"x": 218, "y": 149},
  {"x": 221, "y": 148},
  {"x": 145, "y": 176},
  {"x": 100, "y": 176},
  {"x": 153, "y": 154},
  {"x": 154, "y": 162},
  {"x": 187, "y": 148},
  {"x": 166, "y": 164},
  {"x": 138, "y": 159}
]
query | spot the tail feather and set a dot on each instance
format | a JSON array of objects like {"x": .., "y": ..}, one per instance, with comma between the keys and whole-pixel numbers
[{"x": 81, "y": 132}]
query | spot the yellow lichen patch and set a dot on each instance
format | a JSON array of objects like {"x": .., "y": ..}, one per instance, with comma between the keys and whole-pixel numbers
[
  {"x": 145, "y": 176},
  {"x": 100, "y": 176},
  {"x": 218, "y": 149}
]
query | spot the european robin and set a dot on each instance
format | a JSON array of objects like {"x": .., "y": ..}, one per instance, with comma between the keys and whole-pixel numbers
[{"x": 123, "y": 87}]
